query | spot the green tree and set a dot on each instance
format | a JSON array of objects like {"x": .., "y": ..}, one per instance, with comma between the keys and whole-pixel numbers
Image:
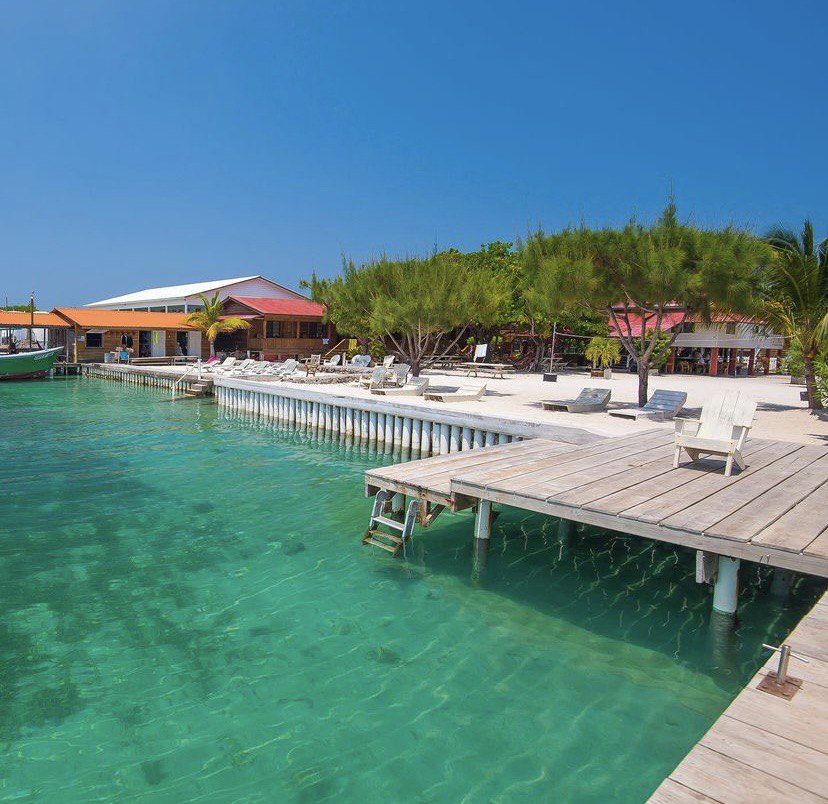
[
  {"x": 797, "y": 296},
  {"x": 638, "y": 275},
  {"x": 422, "y": 306},
  {"x": 603, "y": 352},
  {"x": 211, "y": 322}
]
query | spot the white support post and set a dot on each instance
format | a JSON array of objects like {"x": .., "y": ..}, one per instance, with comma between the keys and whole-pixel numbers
[
  {"x": 365, "y": 424},
  {"x": 479, "y": 438},
  {"x": 454, "y": 438},
  {"x": 380, "y": 428},
  {"x": 482, "y": 532},
  {"x": 726, "y": 588},
  {"x": 406, "y": 433},
  {"x": 466, "y": 438},
  {"x": 349, "y": 421},
  {"x": 425, "y": 438},
  {"x": 372, "y": 427},
  {"x": 389, "y": 431},
  {"x": 502, "y": 438},
  {"x": 398, "y": 503},
  {"x": 445, "y": 438},
  {"x": 398, "y": 431}
]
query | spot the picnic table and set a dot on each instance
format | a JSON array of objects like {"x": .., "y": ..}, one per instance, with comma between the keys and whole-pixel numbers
[{"x": 497, "y": 370}]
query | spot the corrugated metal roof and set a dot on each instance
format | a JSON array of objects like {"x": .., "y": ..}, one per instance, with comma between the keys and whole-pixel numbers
[
  {"x": 173, "y": 291},
  {"x": 122, "y": 319},
  {"x": 12, "y": 318},
  {"x": 281, "y": 306}
]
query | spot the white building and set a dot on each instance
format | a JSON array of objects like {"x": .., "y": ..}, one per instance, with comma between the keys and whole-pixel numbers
[{"x": 185, "y": 298}]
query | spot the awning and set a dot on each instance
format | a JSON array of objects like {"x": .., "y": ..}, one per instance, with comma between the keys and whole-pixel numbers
[
  {"x": 243, "y": 316},
  {"x": 637, "y": 323}
]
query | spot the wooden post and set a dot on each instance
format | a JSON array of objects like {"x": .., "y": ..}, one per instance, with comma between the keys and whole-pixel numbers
[
  {"x": 565, "y": 528},
  {"x": 751, "y": 362},
  {"x": 482, "y": 532},
  {"x": 670, "y": 368},
  {"x": 714, "y": 362},
  {"x": 726, "y": 588},
  {"x": 782, "y": 580},
  {"x": 731, "y": 362}
]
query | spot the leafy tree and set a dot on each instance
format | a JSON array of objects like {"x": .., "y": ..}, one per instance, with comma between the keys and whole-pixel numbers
[
  {"x": 637, "y": 275},
  {"x": 210, "y": 321},
  {"x": 19, "y": 308},
  {"x": 797, "y": 296},
  {"x": 422, "y": 306},
  {"x": 603, "y": 351}
]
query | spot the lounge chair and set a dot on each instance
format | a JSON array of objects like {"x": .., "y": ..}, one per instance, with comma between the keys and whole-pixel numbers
[
  {"x": 236, "y": 368},
  {"x": 360, "y": 361},
  {"x": 334, "y": 361},
  {"x": 256, "y": 367},
  {"x": 228, "y": 363},
  {"x": 590, "y": 399},
  {"x": 721, "y": 430},
  {"x": 387, "y": 361},
  {"x": 465, "y": 393},
  {"x": 375, "y": 380},
  {"x": 417, "y": 387},
  {"x": 662, "y": 405},
  {"x": 286, "y": 369},
  {"x": 399, "y": 374}
]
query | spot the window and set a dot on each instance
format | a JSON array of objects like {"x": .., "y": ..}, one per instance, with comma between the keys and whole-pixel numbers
[
  {"x": 158, "y": 309},
  {"x": 274, "y": 329},
  {"x": 175, "y": 308},
  {"x": 312, "y": 329},
  {"x": 94, "y": 340},
  {"x": 730, "y": 329}
]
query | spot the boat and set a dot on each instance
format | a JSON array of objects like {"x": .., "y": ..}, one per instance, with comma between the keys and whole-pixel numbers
[{"x": 28, "y": 365}]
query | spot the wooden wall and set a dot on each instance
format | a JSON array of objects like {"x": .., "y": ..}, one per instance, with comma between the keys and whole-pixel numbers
[{"x": 112, "y": 342}]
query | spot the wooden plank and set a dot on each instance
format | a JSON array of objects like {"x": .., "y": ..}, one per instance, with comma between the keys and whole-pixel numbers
[
  {"x": 804, "y": 719},
  {"x": 671, "y": 792},
  {"x": 770, "y": 504},
  {"x": 705, "y": 513},
  {"x": 819, "y": 546},
  {"x": 524, "y": 474},
  {"x": 663, "y": 491},
  {"x": 798, "y": 529},
  {"x": 791, "y": 762},
  {"x": 727, "y": 780},
  {"x": 701, "y": 484}
]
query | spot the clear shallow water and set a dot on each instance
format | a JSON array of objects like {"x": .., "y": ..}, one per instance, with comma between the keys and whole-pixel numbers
[{"x": 187, "y": 615}]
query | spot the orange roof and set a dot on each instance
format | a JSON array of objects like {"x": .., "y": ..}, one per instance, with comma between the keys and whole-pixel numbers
[
  {"x": 13, "y": 318},
  {"x": 121, "y": 319}
]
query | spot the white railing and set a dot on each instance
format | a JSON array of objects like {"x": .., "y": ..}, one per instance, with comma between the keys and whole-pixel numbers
[{"x": 193, "y": 367}]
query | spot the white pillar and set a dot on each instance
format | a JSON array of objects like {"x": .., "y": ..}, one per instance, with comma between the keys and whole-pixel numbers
[
  {"x": 425, "y": 438},
  {"x": 479, "y": 438},
  {"x": 349, "y": 421},
  {"x": 406, "y": 433},
  {"x": 398, "y": 431},
  {"x": 454, "y": 439},
  {"x": 372, "y": 427},
  {"x": 381, "y": 428},
  {"x": 466, "y": 438},
  {"x": 445, "y": 437},
  {"x": 389, "y": 430},
  {"x": 726, "y": 589}
]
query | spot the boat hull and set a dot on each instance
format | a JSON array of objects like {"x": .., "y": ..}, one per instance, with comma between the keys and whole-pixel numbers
[{"x": 28, "y": 365}]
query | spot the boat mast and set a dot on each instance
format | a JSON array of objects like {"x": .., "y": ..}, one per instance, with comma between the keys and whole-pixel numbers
[{"x": 31, "y": 319}]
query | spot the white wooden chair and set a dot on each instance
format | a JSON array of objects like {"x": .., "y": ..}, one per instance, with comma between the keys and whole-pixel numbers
[{"x": 721, "y": 430}]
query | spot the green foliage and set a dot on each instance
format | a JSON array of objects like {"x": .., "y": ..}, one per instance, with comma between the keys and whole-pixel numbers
[
  {"x": 423, "y": 306},
  {"x": 603, "y": 352},
  {"x": 796, "y": 301},
  {"x": 645, "y": 271},
  {"x": 19, "y": 308}
]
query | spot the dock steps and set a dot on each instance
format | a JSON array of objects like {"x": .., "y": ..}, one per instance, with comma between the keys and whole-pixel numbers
[{"x": 382, "y": 539}]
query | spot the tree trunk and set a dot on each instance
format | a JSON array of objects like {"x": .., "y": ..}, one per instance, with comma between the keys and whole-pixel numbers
[
  {"x": 212, "y": 348},
  {"x": 643, "y": 379},
  {"x": 814, "y": 400},
  {"x": 415, "y": 366}
]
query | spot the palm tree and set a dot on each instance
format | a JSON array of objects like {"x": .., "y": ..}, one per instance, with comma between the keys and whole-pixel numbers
[
  {"x": 211, "y": 320},
  {"x": 798, "y": 295}
]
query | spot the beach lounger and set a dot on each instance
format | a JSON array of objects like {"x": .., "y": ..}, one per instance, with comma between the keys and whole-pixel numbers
[
  {"x": 228, "y": 363},
  {"x": 236, "y": 368},
  {"x": 334, "y": 361},
  {"x": 375, "y": 380},
  {"x": 721, "y": 430},
  {"x": 417, "y": 387},
  {"x": 662, "y": 405},
  {"x": 399, "y": 374},
  {"x": 590, "y": 399},
  {"x": 387, "y": 361},
  {"x": 286, "y": 369},
  {"x": 465, "y": 393}
]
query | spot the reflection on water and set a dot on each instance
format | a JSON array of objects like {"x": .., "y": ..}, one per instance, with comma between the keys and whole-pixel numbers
[{"x": 188, "y": 615}]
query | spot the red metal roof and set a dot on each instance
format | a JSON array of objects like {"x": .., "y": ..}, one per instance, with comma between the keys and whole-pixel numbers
[
  {"x": 281, "y": 306},
  {"x": 668, "y": 321}
]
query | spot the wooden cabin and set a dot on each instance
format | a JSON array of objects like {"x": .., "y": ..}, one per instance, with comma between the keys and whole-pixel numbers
[
  {"x": 91, "y": 334},
  {"x": 279, "y": 328}
]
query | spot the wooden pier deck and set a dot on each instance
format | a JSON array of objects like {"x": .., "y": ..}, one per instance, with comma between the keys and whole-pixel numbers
[
  {"x": 765, "y": 748},
  {"x": 773, "y": 512}
]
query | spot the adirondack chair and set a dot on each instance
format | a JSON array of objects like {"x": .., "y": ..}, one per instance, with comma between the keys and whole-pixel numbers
[
  {"x": 311, "y": 365},
  {"x": 465, "y": 393},
  {"x": 662, "y": 405},
  {"x": 399, "y": 374},
  {"x": 333, "y": 361},
  {"x": 387, "y": 361},
  {"x": 417, "y": 387},
  {"x": 721, "y": 430},
  {"x": 590, "y": 399}
]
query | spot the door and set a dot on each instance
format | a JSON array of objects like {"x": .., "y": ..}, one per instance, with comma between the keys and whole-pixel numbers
[
  {"x": 194, "y": 344},
  {"x": 158, "y": 343}
]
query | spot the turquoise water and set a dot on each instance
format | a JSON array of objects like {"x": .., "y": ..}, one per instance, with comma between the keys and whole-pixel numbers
[{"x": 188, "y": 616}]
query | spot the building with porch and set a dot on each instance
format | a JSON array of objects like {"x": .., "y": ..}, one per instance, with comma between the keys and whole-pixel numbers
[
  {"x": 47, "y": 330},
  {"x": 89, "y": 335},
  {"x": 728, "y": 345},
  {"x": 279, "y": 328}
]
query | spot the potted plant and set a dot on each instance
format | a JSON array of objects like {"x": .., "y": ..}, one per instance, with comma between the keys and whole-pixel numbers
[{"x": 603, "y": 352}]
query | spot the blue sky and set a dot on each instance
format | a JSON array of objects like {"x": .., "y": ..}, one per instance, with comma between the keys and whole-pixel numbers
[{"x": 149, "y": 143}]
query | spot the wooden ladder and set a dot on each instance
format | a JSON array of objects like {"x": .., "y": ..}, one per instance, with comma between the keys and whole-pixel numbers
[{"x": 381, "y": 538}]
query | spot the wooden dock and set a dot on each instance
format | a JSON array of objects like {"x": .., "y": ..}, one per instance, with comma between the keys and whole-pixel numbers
[
  {"x": 765, "y": 748},
  {"x": 773, "y": 512}
]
